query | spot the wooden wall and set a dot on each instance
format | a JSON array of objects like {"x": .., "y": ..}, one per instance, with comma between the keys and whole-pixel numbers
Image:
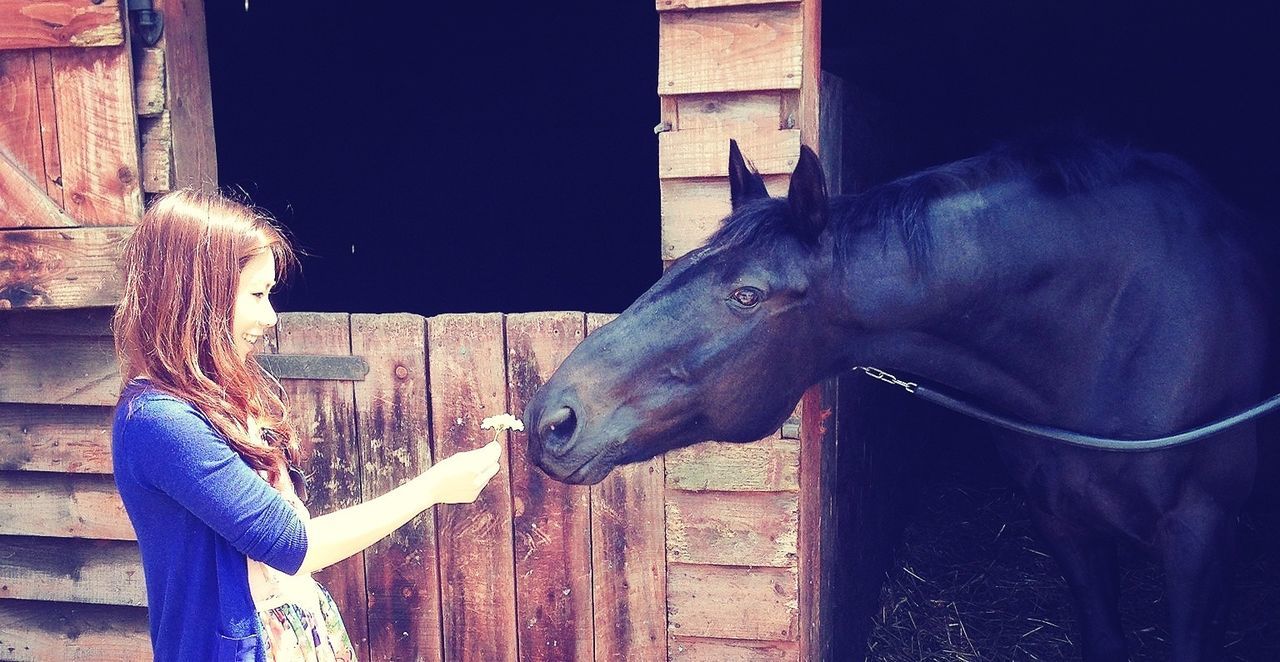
[
  {"x": 695, "y": 557},
  {"x": 746, "y": 70},
  {"x": 89, "y": 121}
]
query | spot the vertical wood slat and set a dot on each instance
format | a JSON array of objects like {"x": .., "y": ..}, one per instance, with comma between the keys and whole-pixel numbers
[
  {"x": 817, "y": 548},
  {"x": 189, "y": 95},
  {"x": 468, "y": 383},
  {"x": 552, "y": 520},
  {"x": 628, "y": 551},
  {"x": 323, "y": 412},
  {"x": 401, "y": 571},
  {"x": 94, "y": 88}
]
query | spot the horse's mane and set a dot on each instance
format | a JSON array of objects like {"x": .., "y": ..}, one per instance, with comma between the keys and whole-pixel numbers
[{"x": 1060, "y": 164}]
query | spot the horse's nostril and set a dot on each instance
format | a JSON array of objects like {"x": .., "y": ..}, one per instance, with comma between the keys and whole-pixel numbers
[{"x": 557, "y": 427}]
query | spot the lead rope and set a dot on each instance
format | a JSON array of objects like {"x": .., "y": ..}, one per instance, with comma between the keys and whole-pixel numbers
[{"x": 1067, "y": 436}]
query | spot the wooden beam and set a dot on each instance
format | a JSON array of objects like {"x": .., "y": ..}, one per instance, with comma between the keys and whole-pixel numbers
[
  {"x": 60, "y": 23},
  {"x": 57, "y": 370},
  {"x": 693, "y": 208},
  {"x": 668, "y": 5},
  {"x": 189, "y": 95},
  {"x": 37, "y": 631},
  {"x": 105, "y": 572},
  {"x": 733, "y": 528},
  {"x": 629, "y": 560},
  {"x": 68, "y": 268},
  {"x": 149, "y": 81},
  {"x": 98, "y": 134},
  {"x": 702, "y": 649},
  {"x": 477, "y": 590},
  {"x": 707, "y": 601},
  {"x": 55, "y": 438},
  {"x": 768, "y": 465},
  {"x": 705, "y": 153},
  {"x": 62, "y": 506},
  {"x": 730, "y": 50},
  {"x": 552, "y": 520},
  {"x": 157, "y": 153},
  {"x": 24, "y": 202}
]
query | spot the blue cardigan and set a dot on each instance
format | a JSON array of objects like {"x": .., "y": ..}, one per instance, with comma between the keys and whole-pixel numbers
[{"x": 198, "y": 510}]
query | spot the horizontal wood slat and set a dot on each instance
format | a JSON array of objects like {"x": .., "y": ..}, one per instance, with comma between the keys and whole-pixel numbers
[
  {"x": 692, "y": 209},
  {"x": 708, "y": 601},
  {"x": 58, "y": 370},
  {"x": 700, "y": 649},
  {"x": 668, "y": 5},
  {"x": 705, "y": 152},
  {"x": 67, "y": 439},
  {"x": 733, "y": 528},
  {"x": 70, "y": 268},
  {"x": 730, "y": 50},
  {"x": 57, "y": 23},
  {"x": 45, "y": 322},
  {"x": 760, "y": 110},
  {"x": 42, "y": 631},
  {"x": 62, "y": 506},
  {"x": 92, "y": 571},
  {"x": 768, "y": 465}
]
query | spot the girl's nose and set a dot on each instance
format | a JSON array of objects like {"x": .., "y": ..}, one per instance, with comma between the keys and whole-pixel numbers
[{"x": 270, "y": 318}]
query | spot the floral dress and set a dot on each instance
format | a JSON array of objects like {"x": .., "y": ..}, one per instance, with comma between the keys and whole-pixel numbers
[{"x": 299, "y": 619}]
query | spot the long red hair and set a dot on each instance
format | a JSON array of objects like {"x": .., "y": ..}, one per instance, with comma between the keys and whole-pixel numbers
[{"x": 182, "y": 271}]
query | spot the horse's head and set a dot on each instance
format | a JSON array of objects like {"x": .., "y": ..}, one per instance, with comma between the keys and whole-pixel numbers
[{"x": 721, "y": 347}]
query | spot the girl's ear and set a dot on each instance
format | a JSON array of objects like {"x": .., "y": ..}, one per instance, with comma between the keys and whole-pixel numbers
[
  {"x": 744, "y": 183},
  {"x": 807, "y": 196}
]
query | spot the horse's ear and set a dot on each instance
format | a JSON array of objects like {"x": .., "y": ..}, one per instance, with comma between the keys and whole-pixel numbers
[
  {"x": 807, "y": 196},
  {"x": 744, "y": 183}
]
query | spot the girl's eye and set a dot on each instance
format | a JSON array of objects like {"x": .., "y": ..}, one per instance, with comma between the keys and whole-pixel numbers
[{"x": 746, "y": 297}]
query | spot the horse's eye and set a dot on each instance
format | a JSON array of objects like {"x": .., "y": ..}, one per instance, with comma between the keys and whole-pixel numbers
[{"x": 746, "y": 297}]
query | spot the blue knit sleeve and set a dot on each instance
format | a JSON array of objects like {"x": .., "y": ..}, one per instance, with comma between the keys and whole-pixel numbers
[{"x": 170, "y": 447}]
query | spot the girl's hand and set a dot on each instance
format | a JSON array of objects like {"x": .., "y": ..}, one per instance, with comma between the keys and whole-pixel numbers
[{"x": 460, "y": 477}]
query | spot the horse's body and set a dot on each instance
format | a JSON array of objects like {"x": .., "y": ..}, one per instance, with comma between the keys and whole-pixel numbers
[{"x": 1099, "y": 290}]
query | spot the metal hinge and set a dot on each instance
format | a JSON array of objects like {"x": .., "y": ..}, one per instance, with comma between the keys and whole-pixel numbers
[
  {"x": 304, "y": 366},
  {"x": 148, "y": 23}
]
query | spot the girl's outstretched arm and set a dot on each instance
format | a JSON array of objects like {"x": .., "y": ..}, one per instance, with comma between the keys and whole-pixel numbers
[{"x": 456, "y": 479}]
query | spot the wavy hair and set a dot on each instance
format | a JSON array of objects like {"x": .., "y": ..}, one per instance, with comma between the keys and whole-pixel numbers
[{"x": 174, "y": 325}]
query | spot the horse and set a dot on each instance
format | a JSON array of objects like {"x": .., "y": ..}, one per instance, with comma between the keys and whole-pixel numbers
[{"x": 1076, "y": 283}]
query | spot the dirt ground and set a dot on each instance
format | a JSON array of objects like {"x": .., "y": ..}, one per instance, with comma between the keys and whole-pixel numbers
[{"x": 971, "y": 582}]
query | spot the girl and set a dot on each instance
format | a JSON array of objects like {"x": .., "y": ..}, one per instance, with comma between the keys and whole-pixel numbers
[{"x": 204, "y": 455}]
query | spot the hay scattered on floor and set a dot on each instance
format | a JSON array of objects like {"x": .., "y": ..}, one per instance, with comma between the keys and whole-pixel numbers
[{"x": 971, "y": 582}]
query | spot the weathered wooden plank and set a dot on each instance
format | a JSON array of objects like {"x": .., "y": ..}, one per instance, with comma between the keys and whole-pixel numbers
[
  {"x": 323, "y": 411},
  {"x": 88, "y": 322},
  {"x": 818, "y": 518},
  {"x": 552, "y": 520},
  {"x": 149, "y": 81},
  {"x": 43, "y": 60},
  {"x": 468, "y": 383},
  {"x": 62, "y": 506},
  {"x": 58, "y": 370},
  {"x": 157, "y": 153},
  {"x": 55, "y": 438},
  {"x": 768, "y": 465},
  {"x": 93, "y": 89},
  {"x": 20, "y": 113},
  {"x": 629, "y": 557},
  {"x": 23, "y": 201},
  {"x": 700, "y": 649},
  {"x": 667, "y": 5},
  {"x": 692, "y": 209},
  {"x": 733, "y": 528},
  {"x": 758, "y": 110},
  {"x": 68, "y": 570},
  {"x": 67, "y": 268},
  {"x": 705, "y": 152},
  {"x": 58, "y": 23},
  {"x": 189, "y": 95},
  {"x": 730, "y": 50},
  {"x": 733, "y": 602},
  {"x": 401, "y": 571},
  {"x": 40, "y": 631}
]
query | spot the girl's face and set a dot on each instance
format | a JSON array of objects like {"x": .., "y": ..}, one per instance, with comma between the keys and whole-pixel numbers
[{"x": 253, "y": 313}]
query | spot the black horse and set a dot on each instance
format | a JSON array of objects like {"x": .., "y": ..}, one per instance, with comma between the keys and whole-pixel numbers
[{"x": 1100, "y": 289}]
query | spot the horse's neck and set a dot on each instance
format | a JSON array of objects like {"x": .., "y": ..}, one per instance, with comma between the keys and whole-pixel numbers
[{"x": 988, "y": 314}]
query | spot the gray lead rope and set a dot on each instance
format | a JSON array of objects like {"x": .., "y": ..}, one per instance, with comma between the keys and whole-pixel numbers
[{"x": 1075, "y": 438}]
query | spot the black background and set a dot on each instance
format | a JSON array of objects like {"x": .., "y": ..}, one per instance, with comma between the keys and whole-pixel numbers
[{"x": 458, "y": 157}]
